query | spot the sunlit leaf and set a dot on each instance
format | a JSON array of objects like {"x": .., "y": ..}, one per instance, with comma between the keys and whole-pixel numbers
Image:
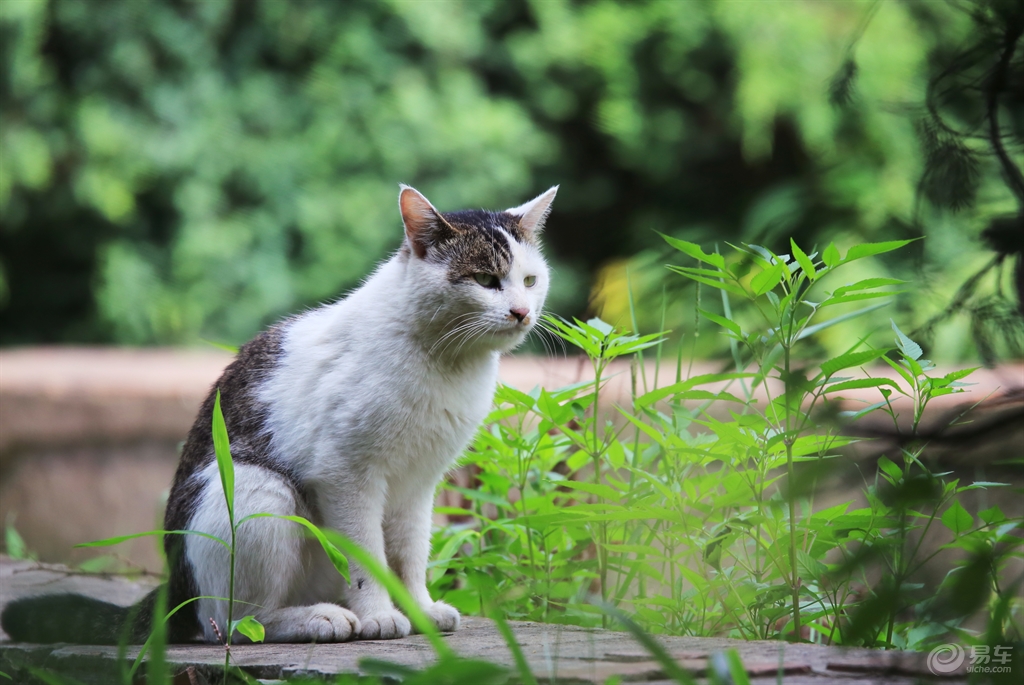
[{"x": 250, "y": 627}]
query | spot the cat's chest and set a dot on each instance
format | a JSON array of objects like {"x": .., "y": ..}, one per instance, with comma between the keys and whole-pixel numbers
[
  {"x": 436, "y": 412},
  {"x": 400, "y": 411}
]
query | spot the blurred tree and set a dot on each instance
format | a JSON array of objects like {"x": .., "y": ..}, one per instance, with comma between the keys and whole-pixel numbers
[
  {"x": 174, "y": 169},
  {"x": 975, "y": 116},
  {"x": 183, "y": 168}
]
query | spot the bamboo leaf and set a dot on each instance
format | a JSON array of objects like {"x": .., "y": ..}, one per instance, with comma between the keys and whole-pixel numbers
[
  {"x": 910, "y": 349},
  {"x": 767, "y": 279},
  {"x": 338, "y": 559},
  {"x": 804, "y": 261},
  {"x": 831, "y": 256},
  {"x": 850, "y": 360},
  {"x": 107, "y": 542},
  {"x": 225, "y": 465},
  {"x": 869, "y": 249},
  {"x": 722, "y": 321},
  {"x": 695, "y": 251},
  {"x": 714, "y": 283},
  {"x": 862, "y": 383},
  {"x": 811, "y": 330},
  {"x": 867, "y": 284}
]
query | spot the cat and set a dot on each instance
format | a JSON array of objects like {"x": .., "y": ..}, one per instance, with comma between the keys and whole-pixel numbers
[{"x": 348, "y": 415}]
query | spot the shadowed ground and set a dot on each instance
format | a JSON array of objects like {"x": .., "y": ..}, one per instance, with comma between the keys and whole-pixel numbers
[{"x": 560, "y": 654}]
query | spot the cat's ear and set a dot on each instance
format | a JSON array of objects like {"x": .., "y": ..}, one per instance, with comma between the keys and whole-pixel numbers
[
  {"x": 534, "y": 213},
  {"x": 423, "y": 224}
]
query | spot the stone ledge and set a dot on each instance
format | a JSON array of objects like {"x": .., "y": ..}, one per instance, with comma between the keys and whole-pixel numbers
[
  {"x": 559, "y": 654},
  {"x": 60, "y": 396}
]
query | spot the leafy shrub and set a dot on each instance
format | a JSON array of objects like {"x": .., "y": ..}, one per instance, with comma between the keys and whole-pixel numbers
[{"x": 702, "y": 525}]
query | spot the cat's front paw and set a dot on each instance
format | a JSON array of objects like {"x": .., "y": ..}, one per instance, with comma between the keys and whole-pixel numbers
[
  {"x": 444, "y": 616},
  {"x": 386, "y": 625},
  {"x": 331, "y": 623}
]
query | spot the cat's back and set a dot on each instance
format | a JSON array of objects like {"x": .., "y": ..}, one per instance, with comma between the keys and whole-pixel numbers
[{"x": 243, "y": 410}]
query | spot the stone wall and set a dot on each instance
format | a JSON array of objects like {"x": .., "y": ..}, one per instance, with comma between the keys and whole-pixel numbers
[{"x": 89, "y": 437}]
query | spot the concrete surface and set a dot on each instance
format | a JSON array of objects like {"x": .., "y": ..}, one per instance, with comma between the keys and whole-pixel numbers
[{"x": 556, "y": 654}]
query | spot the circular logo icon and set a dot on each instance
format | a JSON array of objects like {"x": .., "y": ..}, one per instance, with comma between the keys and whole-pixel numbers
[{"x": 945, "y": 659}]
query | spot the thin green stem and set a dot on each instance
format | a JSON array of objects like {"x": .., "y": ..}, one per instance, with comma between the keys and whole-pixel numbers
[{"x": 231, "y": 605}]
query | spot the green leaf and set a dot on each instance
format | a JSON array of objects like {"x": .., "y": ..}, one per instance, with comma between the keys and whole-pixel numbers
[
  {"x": 735, "y": 673},
  {"x": 489, "y": 593},
  {"x": 867, "y": 284},
  {"x": 862, "y": 383},
  {"x": 672, "y": 669},
  {"x": 337, "y": 558},
  {"x": 850, "y": 360},
  {"x": 831, "y": 256},
  {"x": 887, "y": 465},
  {"x": 399, "y": 593},
  {"x": 156, "y": 667},
  {"x": 909, "y": 348},
  {"x": 225, "y": 465},
  {"x": 107, "y": 542},
  {"x": 604, "y": 491},
  {"x": 811, "y": 330},
  {"x": 957, "y": 519},
  {"x": 714, "y": 283},
  {"x": 869, "y": 249},
  {"x": 804, "y": 261},
  {"x": 809, "y": 567},
  {"x": 653, "y": 396},
  {"x": 250, "y": 627},
  {"x": 16, "y": 547},
  {"x": 957, "y": 375},
  {"x": 992, "y": 515},
  {"x": 221, "y": 346},
  {"x": 857, "y": 297},
  {"x": 603, "y": 327},
  {"x": 722, "y": 320},
  {"x": 695, "y": 251},
  {"x": 767, "y": 279}
]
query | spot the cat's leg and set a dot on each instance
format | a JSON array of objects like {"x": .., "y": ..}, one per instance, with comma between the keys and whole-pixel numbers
[
  {"x": 355, "y": 508},
  {"x": 407, "y": 522},
  {"x": 270, "y": 564}
]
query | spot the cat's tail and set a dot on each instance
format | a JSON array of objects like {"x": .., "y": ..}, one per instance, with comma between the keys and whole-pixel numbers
[{"x": 46, "y": 619}]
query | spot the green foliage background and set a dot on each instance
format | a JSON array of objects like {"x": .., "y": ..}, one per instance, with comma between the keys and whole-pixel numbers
[{"x": 180, "y": 169}]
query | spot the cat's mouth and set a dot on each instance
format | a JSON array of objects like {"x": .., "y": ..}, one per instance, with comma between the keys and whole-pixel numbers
[{"x": 512, "y": 330}]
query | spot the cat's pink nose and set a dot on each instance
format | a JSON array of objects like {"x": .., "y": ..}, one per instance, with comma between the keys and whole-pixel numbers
[{"x": 520, "y": 313}]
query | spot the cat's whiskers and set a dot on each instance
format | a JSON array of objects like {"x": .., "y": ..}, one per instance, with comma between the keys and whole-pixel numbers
[
  {"x": 546, "y": 328},
  {"x": 454, "y": 331},
  {"x": 463, "y": 334},
  {"x": 467, "y": 336}
]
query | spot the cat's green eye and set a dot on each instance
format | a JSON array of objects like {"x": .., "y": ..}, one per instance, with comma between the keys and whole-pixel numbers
[
  {"x": 486, "y": 280},
  {"x": 529, "y": 281}
]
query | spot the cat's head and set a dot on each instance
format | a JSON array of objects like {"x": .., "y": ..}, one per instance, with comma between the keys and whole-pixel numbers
[{"x": 478, "y": 276}]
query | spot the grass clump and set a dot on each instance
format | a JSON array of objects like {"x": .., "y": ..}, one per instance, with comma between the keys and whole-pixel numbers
[{"x": 703, "y": 509}]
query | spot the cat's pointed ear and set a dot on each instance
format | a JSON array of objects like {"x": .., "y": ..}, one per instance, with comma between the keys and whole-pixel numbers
[
  {"x": 534, "y": 213},
  {"x": 423, "y": 224}
]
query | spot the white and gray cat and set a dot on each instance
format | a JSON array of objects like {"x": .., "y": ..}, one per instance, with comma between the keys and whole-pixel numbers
[{"x": 348, "y": 415}]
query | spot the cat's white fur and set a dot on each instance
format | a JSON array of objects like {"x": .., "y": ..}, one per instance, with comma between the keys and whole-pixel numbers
[{"x": 374, "y": 398}]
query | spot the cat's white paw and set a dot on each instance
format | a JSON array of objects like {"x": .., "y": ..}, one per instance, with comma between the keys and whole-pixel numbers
[
  {"x": 386, "y": 625},
  {"x": 324, "y": 622},
  {"x": 444, "y": 616},
  {"x": 331, "y": 623}
]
